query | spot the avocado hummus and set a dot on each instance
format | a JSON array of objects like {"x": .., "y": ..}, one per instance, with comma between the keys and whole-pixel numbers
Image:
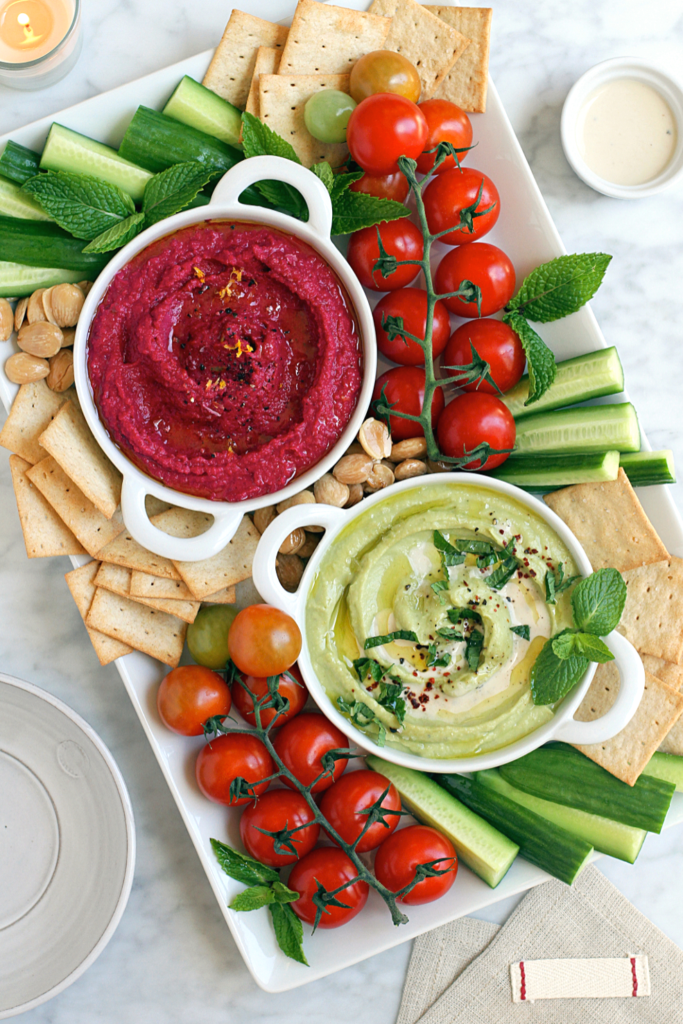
[{"x": 430, "y": 609}]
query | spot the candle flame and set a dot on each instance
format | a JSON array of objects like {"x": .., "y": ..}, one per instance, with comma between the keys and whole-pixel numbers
[{"x": 23, "y": 19}]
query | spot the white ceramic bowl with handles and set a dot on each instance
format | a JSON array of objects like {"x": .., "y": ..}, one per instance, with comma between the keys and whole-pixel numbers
[
  {"x": 561, "y": 727},
  {"x": 224, "y": 205}
]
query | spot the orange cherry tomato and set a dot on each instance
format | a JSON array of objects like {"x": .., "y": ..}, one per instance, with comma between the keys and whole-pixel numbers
[
  {"x": 189, "y": 695},
  {"x": 263, "y": 641}
]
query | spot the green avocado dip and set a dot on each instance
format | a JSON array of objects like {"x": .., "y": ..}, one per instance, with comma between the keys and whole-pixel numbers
[{"x": 430, "y": 609}]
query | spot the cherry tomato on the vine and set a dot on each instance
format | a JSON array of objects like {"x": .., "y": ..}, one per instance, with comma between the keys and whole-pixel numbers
[
  {"x": 303, "y": 742},
  {"x": 276, "y": 810},
  {"x": 189, "y": 695},
  {"x": 446, "y": 122},
  {"x": 344, "y": 803},
  {"x": 264, "y": 641},
  {"x": 330, "y": 867},
  {"x": 470, "y": 419},
  {"x": 207, "y": 636},
  {"x": 496, "y": 343},
  {"x": 463, "y": 199},
  {"x": 483, "y": 264},
  {"x": 399, "y": 856},
  {"x": 295, "y": 692},
  {"x": 226, "y": 758},
  {"x": 404, "y": 390},
  {"x": 384, "y": 127},
  {"x": 400, "y": 238},
  {"x": 411, "y": 305},
  {"x": 384, "y": 71},
  {"x": 383, "y": 186}
]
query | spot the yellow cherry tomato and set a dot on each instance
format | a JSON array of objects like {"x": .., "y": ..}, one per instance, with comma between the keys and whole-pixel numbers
[{"x": 384, "y": 71}]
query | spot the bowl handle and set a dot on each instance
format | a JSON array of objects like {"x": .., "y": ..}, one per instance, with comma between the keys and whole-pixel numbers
[
  {"x": 632, "y": 675},
  {"x": 264, "y": 168},
  {"x": 264, "y": 572},
  {"x": 181, "y": 549}
]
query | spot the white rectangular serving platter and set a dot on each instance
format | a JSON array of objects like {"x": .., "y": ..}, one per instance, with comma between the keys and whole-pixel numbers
[{"x": 526, "y": 232}]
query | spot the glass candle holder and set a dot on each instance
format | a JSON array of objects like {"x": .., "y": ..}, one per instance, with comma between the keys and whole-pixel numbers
[{"x": 40, "y": 41}]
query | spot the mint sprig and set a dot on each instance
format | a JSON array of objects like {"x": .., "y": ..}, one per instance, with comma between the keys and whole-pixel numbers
[
  {"x": 552, "y": 677},
  {"x": 598, "y": 602},
  {"x": 172, "y": 190},
  {"x": 259, "y": 139},
  {"x": 118, "y": 235},
  {"x": 540, "y": 359},
  {"x": 83, "y": 205},
  {"x": 560, "y": 287},
  {"x": 583, "y": 645}
]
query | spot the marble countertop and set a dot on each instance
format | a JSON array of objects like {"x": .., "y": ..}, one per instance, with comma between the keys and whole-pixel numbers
[{"x": 172, "y": 958}]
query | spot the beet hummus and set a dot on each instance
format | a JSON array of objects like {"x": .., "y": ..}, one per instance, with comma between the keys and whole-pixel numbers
[{"x": 225, "y": 360}]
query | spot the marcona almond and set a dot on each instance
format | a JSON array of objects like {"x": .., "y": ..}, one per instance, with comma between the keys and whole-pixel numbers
[
  {"x": 409, "y": 468},
  {"x": 66, "y": 301},
  {"x": 355, "y": 495},
  {"x": 20, "y": 312},
  {"x": 309, "y": 547},
  {"x": 375, "y": 439},
  {"x": 292, "y": 543},
  {"x": 355, "y": 449},
  {"x": 40, "y": 339},
  {"x": 438, "y": 467},
  {"x": 34, "y": 311},
  {"x": 380, "y": 477},
  {"x": 85, "y": 286},
  {"x": 47, "y": 306},
  {"x": 289, "y": 569},
  {"x": 353, "y": 469},
  {"x": 69, "y": 335},
  {"x": 302, "y": 498},
  {"x": 6, "y": 320},
  {"x": 411, "y": 448},
  {"x": 61, "y": 375},
  {"x": 263, "y": 517},
  {"x": 21, "y": 368},
  {"x": 329, "y": 491}
]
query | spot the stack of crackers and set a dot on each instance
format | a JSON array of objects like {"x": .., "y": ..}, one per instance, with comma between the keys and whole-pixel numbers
[
  {"x": 271, "y": 71},
  {"x": 68, "y": 495},
  {"x": 614, "y": 530}
]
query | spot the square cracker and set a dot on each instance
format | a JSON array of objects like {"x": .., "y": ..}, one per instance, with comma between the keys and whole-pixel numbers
[
  {"x": 467, "y": 81},
  {"x": 282, "y": 99},
  {"x": 82, "y": 587},
  {"x": 144, "y": 585},
  {"x": 672, "y": 675},
  {"x": 328, "y": 40},
  {"x": 232, "y": 67},
  {"x": 70, "y": 441},
  {"x": 267, "y": 63},
  {"x": 123, "y": 550},
  {"x": 610, "y": 523},
  {"x": 45, "y": 534},
  {"x": 117, "y": 579},
  {"x": 429, "y": 42},
  {"x": 653, "y": 616},
  {"x": 33, "y": 409},
  {"x": 627, "y": 753},
  {"x": 144, "y": 629},
  {"x": 91, "y": 528}
]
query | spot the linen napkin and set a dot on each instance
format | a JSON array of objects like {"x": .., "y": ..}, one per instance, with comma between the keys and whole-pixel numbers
[{"x": 460, "y": 973}]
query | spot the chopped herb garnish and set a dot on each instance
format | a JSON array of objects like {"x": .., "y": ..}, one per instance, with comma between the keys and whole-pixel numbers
[
  {"x": 503, "y": 574},
  {"x": 555, "y": 583},
  {"x": 523, "y": 631},
  {"x": 438, "y": 586},
  {"x": 436, "y": 660},
  {"x": 390, "y": 698},
  {"x": 475, "y": 547},
  {"x": 449, "y": 555},
  {"x": 456, "y": 615},
  {"x": 450, "y": 634},
  {"x": 398, "y": 634},
  {"x": 475, "y": 642},
  {"x": 368, "y": 666},
  {"x": 362, "y": 716}
]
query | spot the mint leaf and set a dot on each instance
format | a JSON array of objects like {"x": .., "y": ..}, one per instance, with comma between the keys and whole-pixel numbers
[
  {"x": 436, "y": 659},
  {"x": 450, "y": 634},
  {"x": 365, "y": 666},
  {"x": 254, "y": 898},
  {"x": 289, "y": 932},
  {"x": 260, "y": 140},
  {"x": 598, "y": 601},
  {"x": 242, "y": 867},
  {"x": 438, "y": 586},
  {"x": 552, "y": 677},
  {"x": 475, "y": 642},
  {"x": 172, "y": 190},
  {"x": 503, "y": 574},
  {"x": 398, "y": 634},
  {"x": 362, "y": 716},
  {"x": 352, "y": 211},
  {"x": 282, "y": 894},
  {"x": 540, "y": 360},
  {"x": 324, "y": 171},
  {"x": 81, "y": 204},
  {"x": 456, "y": 615},
  {"x": 556, "y": 583},
  {"x": 585, "y": 645},
  {"x": 118, "y": 235},
  {"x": 391, "y": 699},
  {"x": 560, "y": 287},
  {"x": 450, "y": 555},
  {"x": 523, "y": 631}
]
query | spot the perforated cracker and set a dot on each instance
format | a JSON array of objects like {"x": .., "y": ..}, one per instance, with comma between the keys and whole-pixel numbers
[
  {"x": 282, "y": 99},
  {"x": 232, "y": 67},
  {"x": 328, "y": 40}
]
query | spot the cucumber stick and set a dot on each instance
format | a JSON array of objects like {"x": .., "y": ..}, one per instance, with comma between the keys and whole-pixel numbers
[
  {"x": 66, "y": 150},
  {"x": 17, "y": 280},
  {"x": 564, "y": 775},
  {"x": 593, "y": 428},
  {"x": 577, "y": 380},
  {"x": 156, "y": 142},
  {"x": 195, "y": 105},
  {"x": 38, "y": 244},
  {"x": 15, "y": 203},
  {"x": 607, "y": 836},
  {"x": 479, "y": 845},
  {"x": 666, "y": 766},
  {"x": 546, "y": 471},
  {"x": 541, "y": 842},
  {"x": 19, "y": 163},
  {"x": 645, "y": 468}
]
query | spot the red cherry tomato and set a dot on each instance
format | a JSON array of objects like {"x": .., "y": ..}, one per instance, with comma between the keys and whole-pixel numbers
[
  {"x": 227, "y": 758},
  {"x": 411, "y": 305},
  {"x": 189, "y": 695},
  {"x": 484, "y": 265},
  {"x": 330, "y": 867},
  {"x": 445, "y": 123},
  {"x": 343, "y": 803},
  {"x": 383, "y": 186},
  {"x": 302, "y": 743},
  {"x": 398, "y": 857},
  {"x": 400, "y": 238},
  {"x": 276, "y": 810},
  {"x": 454, "y": 200},
  {"x": 263, "y": 641},
  {"x": 384, "y": 127},
  {"x": 295, "y": 693},
  {"x": 470, "y": 419},
  {"x": 496, "y": 343},
  {"x": 404, "y": 390}
]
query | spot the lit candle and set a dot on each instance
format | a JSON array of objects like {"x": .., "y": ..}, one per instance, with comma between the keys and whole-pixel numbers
[{"x": 39, "y": 41}]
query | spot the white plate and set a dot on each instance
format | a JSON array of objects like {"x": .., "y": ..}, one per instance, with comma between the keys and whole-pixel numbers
[
  {"x": 526, "y": 232},
  {"x": 67, "y": 846}
]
